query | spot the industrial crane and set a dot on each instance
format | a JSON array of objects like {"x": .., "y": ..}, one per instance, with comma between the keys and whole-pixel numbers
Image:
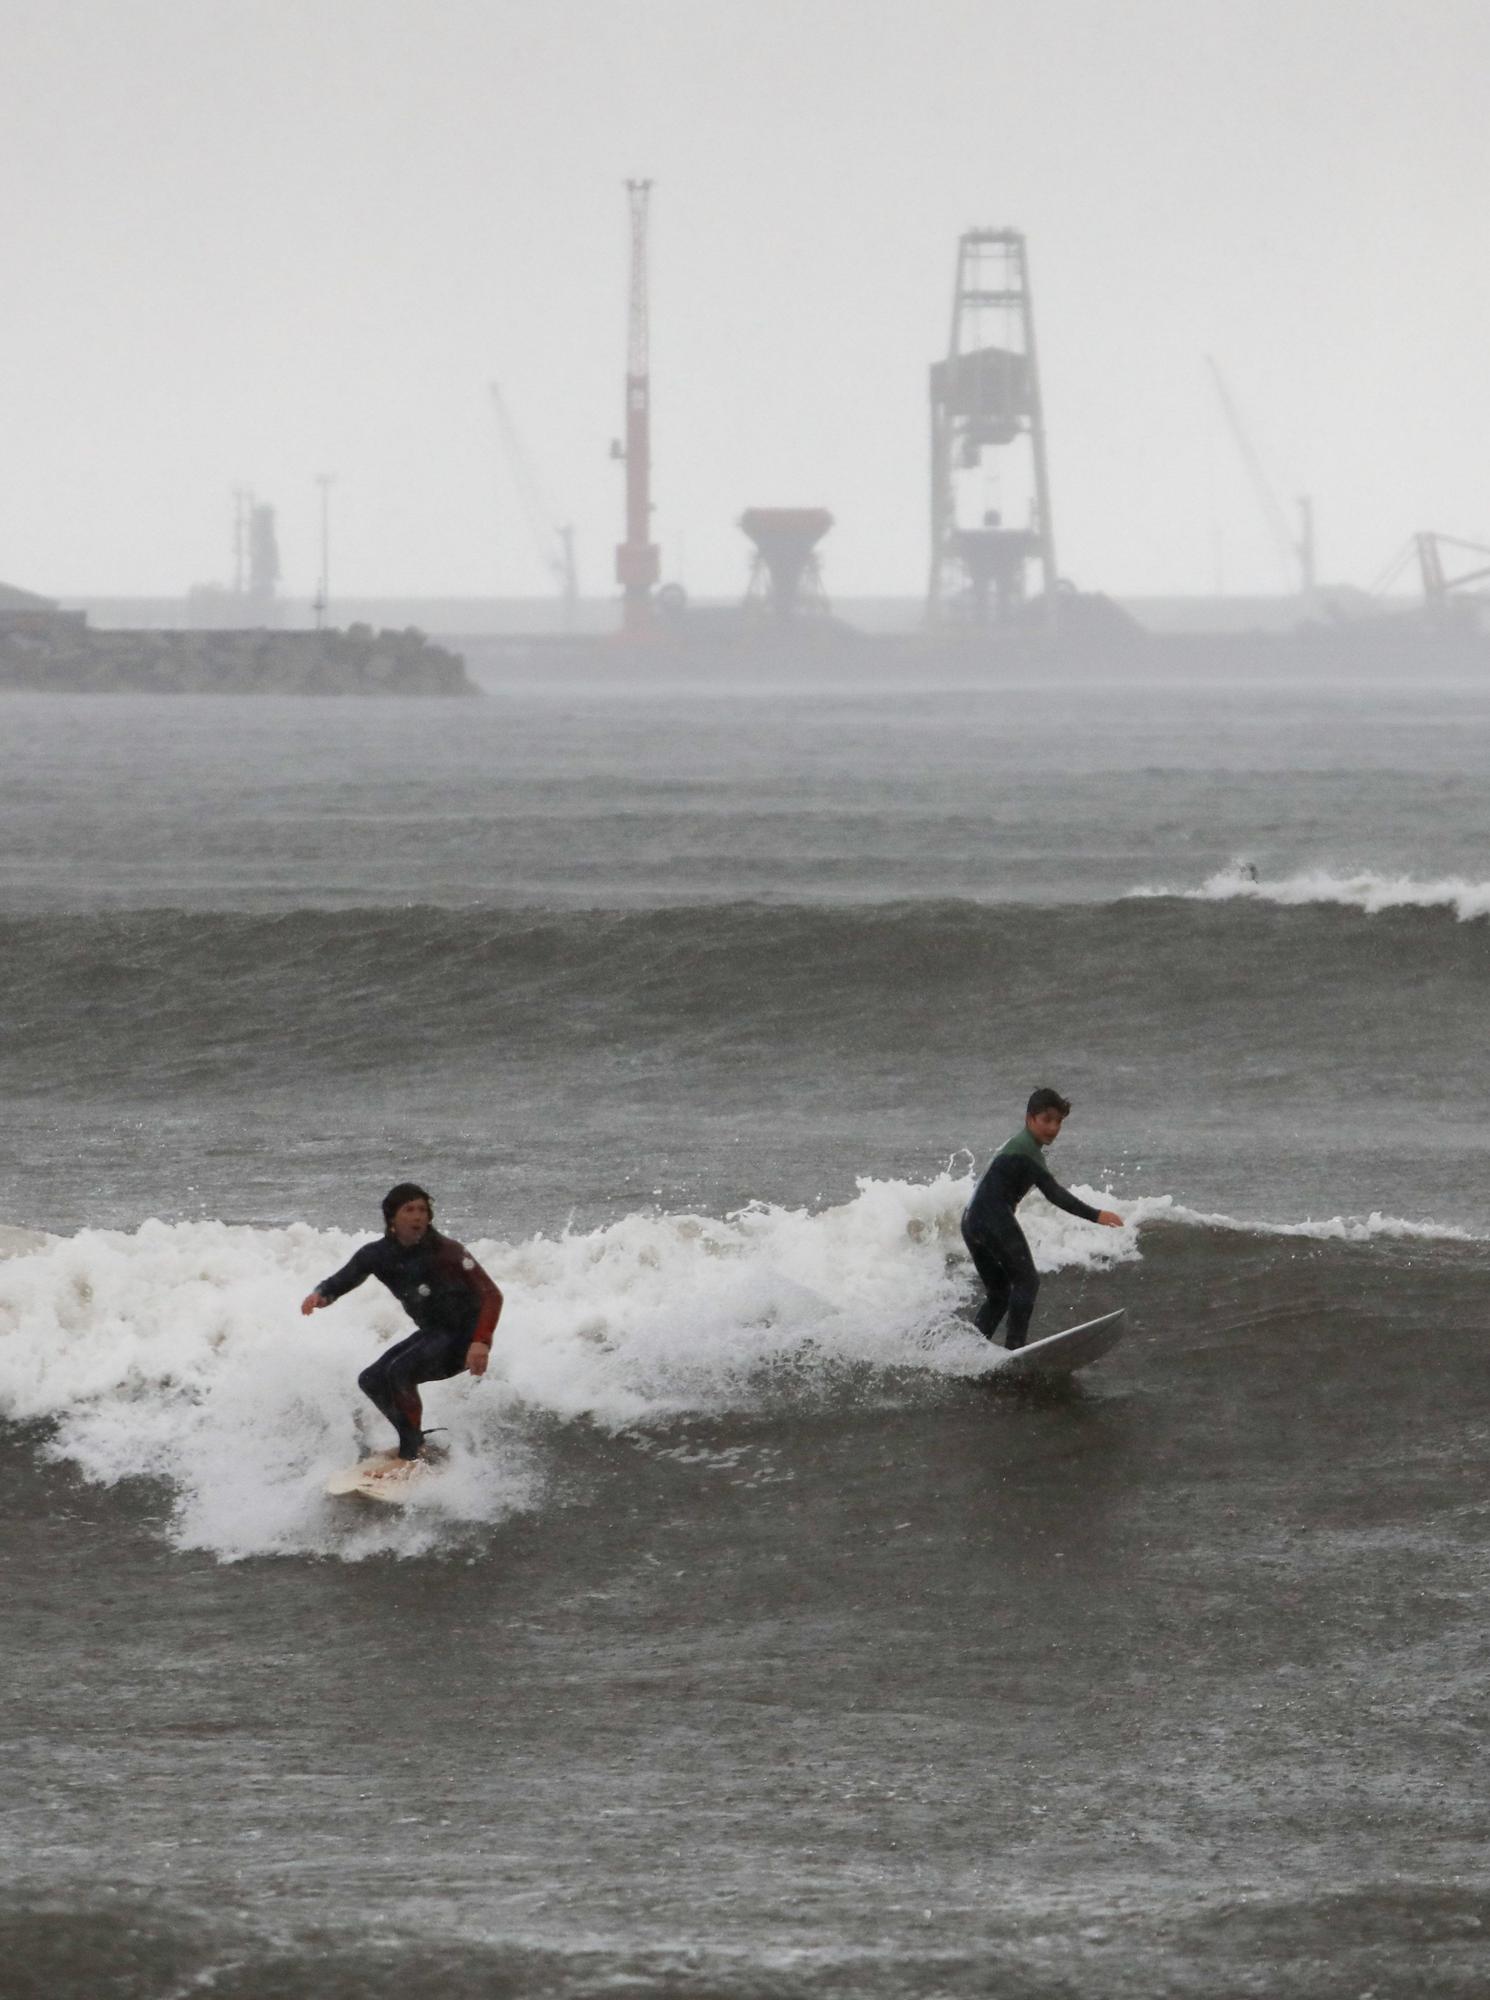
[
  {"x": 637, "y": 558},
  {"x": 1427, "y": 548},
  {"x": 1437, "y": 583},
  {"x": 553, "y": 541},
  {"x": 1298, "y": 556}
]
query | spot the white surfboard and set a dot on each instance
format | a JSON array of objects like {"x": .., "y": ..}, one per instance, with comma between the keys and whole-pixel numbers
[
  {"x": 382, "y": 1475},
  {"x": 1064, "y": 1353}
]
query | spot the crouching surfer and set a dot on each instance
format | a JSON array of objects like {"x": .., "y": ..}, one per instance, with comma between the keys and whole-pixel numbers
[
  {"x": 994, "y": 1239},
  {"x": 453, "y": 1303}
]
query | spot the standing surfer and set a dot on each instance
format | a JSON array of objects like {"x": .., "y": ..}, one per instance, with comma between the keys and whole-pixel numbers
[
  {"x": 453, "y": 1303},
  {"x": 994, "y": 1239}
]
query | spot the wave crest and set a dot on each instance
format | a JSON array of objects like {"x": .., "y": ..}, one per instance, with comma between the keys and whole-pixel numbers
[
  {"x": 178, "y": 1352},
  {"x": 1366, "y": 889}
]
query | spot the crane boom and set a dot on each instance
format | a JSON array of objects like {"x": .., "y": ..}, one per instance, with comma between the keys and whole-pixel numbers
[
  {"x": 553, "y": 541},
  {"x": 1298, "y": 556}
]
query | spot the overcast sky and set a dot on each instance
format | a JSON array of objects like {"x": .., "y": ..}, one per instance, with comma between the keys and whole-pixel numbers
[{"x": 246, "y": 242}]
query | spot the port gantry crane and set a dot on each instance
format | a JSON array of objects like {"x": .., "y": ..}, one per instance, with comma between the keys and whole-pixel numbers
[
  {"x": 637, "y": 562},
  {"x": 986, "y": 415}
]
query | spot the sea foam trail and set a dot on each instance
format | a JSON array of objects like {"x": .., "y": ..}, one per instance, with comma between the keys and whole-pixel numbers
[
  {"x": 1366, "y": 890},
  {"x": 177, "y": 1352},
  {"x": 1374, "y": 1227}
]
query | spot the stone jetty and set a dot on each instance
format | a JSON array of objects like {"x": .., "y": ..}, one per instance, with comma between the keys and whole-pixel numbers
[{"x": 61, "y": 652}]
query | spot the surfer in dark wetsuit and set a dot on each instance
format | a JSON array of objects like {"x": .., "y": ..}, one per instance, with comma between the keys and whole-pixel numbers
[
  {"x": 994, "y": 1239},
  {"x": 453, "y": 1303}
]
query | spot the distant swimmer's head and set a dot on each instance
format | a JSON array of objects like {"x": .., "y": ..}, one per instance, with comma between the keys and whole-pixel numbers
[
  {"x": 1045, "y": 1113},
  {"x": 407, "y": 1212}
]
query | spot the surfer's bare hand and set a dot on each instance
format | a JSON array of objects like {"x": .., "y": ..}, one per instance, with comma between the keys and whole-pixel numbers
[
  {"x": 308, "y": 1305},
  {"x": 1110, "y": 1221},
  {"x": 477, "y": 1358}
]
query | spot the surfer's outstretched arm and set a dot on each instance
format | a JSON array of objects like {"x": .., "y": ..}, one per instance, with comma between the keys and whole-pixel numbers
[
  {"x": 347, "y": 1279},
  {"x": 1061, "y": 1197}
]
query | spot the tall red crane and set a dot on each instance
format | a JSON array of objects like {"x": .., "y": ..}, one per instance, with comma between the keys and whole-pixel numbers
[{"x": 637, "y": 566}]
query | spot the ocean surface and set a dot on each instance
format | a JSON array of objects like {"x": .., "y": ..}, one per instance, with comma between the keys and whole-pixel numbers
[{"x": 756, "y": 1642}]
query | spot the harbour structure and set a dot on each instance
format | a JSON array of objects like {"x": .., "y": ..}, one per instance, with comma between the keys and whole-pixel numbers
[
  {"x": 991, "y": 521},
  {"x": 25, "y": 611},
  {"x": 255, "y": 548},
  {"x": 64, "y": 655},
  {"x": 786, "y": 579},
  {"x": 252, "y": 598},
  {"x": 1297, "y": 556},
  {"x": 637, "y": 559},
  {"x": 1449, "y": 597},
  {"x": 552, "y": 538},
  {"x": 992, "y": 566}
]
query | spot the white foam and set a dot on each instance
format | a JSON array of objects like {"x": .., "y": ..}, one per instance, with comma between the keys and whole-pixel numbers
[
  {"x": 178, "y": 1352},
  {"x": 19, "y": 1242},
  {"x": 664, "y": 1313},
  {"x": 1372, "y": 1227},
  {"x": 1365, "y": 889}
]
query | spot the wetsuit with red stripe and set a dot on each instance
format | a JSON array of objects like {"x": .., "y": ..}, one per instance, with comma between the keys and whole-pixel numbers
[{"x": 454, "y": 1306}]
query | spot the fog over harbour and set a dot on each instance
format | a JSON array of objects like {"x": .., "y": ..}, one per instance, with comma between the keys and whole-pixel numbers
[
  {"x": 249, "y": 244},
  {"x": 755, "y": 1630}
]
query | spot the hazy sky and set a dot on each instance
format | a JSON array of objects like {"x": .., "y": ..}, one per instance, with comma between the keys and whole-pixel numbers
[{"x": 249, "y": 241}]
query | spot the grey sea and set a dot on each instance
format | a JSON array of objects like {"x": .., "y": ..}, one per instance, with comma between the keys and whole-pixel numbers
[{"x": 755, "y": 1641}]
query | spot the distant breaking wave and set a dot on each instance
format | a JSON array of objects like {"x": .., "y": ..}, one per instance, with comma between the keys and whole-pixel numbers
[{"x": 1366, "y": 890}]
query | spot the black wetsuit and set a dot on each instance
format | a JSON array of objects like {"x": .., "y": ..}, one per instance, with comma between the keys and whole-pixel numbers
[
  {"x": 995, "y": 1241},
  {"x": 452, "y": 1303}
]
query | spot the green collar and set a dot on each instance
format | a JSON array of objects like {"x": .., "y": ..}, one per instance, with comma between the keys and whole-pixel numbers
[{"x": 1025, "y": 1142}]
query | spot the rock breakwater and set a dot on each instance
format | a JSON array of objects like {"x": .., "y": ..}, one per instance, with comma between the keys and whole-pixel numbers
[{"x": 64, "y": 654}]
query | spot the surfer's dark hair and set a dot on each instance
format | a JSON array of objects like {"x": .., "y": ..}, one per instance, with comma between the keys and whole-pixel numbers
[
  {"x": 1046, "y": 1099},
  {"x": 395, "y": 1198}
]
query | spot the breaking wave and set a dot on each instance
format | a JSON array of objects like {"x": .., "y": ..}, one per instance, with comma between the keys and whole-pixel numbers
[
  {"x": 177, "y": 1353},
  {"x": 1366, "y": 890}
]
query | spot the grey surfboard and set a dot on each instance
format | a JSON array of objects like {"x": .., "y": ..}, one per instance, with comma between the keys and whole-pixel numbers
[{"x": 1064, "y": 1353}]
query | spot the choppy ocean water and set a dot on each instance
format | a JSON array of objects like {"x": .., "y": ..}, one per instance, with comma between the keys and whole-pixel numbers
[{"x": 752, "y": 1643}]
